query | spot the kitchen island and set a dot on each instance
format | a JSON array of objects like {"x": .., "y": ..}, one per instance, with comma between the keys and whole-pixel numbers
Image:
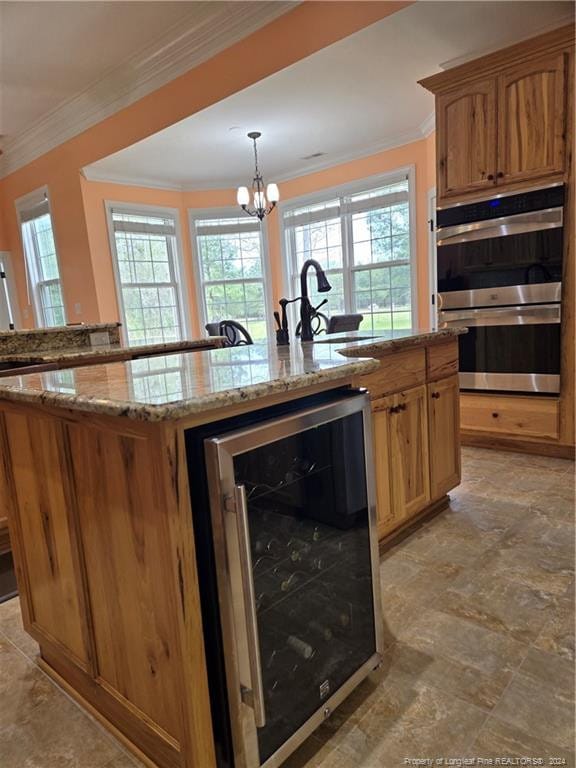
[{"x": 98, "y": 480}]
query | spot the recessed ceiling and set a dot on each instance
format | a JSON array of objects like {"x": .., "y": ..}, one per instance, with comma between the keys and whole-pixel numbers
[
  {"x": 52, "y": 50},
  {"x": 352, "y": 98}
]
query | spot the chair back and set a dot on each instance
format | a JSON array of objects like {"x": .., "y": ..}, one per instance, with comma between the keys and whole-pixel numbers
[
  {"x": 235, "y": 333},
  {"x": 340, "y": 323}
]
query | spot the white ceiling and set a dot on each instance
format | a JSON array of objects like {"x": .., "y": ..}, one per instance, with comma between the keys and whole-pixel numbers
[
  {"x": 52, "y": 50},
  {"x": 350, "y": 99}
]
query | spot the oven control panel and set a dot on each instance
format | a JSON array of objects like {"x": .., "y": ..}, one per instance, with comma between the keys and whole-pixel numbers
[{"x": 496, "y": 207}]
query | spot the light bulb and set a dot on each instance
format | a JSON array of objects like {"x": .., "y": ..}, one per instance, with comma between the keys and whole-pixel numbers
[
  {"x": 243, "y": 196},
  {"x": 272, "y": 193},
  {"x": 259, "y": 200}
]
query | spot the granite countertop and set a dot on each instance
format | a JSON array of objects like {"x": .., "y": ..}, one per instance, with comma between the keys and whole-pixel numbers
[
  {"x": 356, "y": 343},
  {"x": 72, "y": 354},
  {"x": 176, "y": 385},
  {"x": 58, "y": 329}
]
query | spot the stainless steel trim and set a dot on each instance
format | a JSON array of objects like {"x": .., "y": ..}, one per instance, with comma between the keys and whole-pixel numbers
[
  {"x": 220, "y": 452},
  {"x": 535, "y": 221},
  {"x": 536, "y": 293},
  {"x": 512, "y": 382},
  {"x": 315, "y": 720},
  {"x": 498, "y": 195},
  {"x": 255, "y": 696},
  {"x": 537, "y": 314}
]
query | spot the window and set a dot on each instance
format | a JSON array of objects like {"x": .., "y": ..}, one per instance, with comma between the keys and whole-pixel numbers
[
  {"x": 41, "y": 259},
  {"x": 361, "y": 237},
  {"x": 231, "y": 272},
  {"x": 145, "y": 248}
]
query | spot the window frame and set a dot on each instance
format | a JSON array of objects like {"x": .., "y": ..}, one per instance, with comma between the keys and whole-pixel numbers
[
  {"x": 365, "y": 184},
  {"x": 23, "y": 205},
  {"x": 137, "y": 209},
  {"x": 229, "y": 212}
]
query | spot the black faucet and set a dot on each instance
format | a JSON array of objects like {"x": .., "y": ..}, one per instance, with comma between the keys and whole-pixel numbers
[{"x": 305, "y": 306}]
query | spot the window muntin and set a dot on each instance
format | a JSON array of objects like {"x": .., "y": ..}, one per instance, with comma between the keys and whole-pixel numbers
[
  {"x": 362, "y": 240},
  {"x": 42, "y": 260},
  {"x": 147, "y": 272},
  {"x": 231, "y": 272}
]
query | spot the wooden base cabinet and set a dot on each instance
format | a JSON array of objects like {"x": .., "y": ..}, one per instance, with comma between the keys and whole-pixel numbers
[
  {"x": 444, "y": 435},
  {"x": 416, "y": 442},
  {"x": 401, "y": 447}
]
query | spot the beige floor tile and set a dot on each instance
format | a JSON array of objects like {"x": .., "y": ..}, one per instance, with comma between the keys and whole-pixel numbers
[
  {"x": 445, "y": 636},
  {"x": 497, "y": 739},
  {"x": 533, "y": 704},
  {"x": 23, "y": 687},
  {"x": 56, "y": 734},
  {"x": 11, "y": 626},
  {"x": 557, "y": 634},
  {"x": 498, "y": 604}
]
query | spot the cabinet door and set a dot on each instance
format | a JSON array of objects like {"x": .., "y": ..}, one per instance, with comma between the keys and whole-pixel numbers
[
  {"x": 409, "y": 469},
  {"x": 531, "y": 120},
  {"x": 466, "y": 138},
  {"x": 444, "y": 433},
  {"x": 381, "y": 431}
]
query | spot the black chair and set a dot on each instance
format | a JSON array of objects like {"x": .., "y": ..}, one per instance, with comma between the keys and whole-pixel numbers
[
  {"x": 235, "y": 333},
  {"x": 340, "y": 323}
]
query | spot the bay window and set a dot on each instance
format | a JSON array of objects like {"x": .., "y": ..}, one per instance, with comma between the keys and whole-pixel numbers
[{"x": 361, "y": 235}]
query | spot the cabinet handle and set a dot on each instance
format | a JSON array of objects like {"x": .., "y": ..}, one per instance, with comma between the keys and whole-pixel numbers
[
  {"x": 490, "y": 177},
  {"x": 402, "y": 407},
  {"x": 393, "y": 409},
  {"x": 500, "y": 174},
  {"x": 435, "y": 395}
]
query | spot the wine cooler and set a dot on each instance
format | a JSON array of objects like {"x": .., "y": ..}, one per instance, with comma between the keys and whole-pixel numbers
[{"x": 288, "y": 571}]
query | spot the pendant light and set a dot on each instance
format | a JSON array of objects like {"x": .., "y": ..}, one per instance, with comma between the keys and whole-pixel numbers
[{"x": 263, "y": 201}]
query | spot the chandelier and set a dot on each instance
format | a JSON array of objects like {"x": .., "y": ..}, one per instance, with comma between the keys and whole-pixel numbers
[{"x": 263, "y": 202}]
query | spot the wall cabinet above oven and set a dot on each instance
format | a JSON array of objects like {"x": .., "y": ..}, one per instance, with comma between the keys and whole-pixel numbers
[{"x": 502, "y": 122}]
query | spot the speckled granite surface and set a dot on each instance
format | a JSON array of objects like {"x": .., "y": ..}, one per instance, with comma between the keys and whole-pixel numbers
[
  {"x": 62, "y": 337},
  {"x": 74, "y": 354},
  {"x": 174, "y": 386},
  {"x": 393, "y": 341}
]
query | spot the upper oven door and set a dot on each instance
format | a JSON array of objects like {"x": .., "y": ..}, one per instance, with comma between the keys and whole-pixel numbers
[{"x": 512, "y": 260}]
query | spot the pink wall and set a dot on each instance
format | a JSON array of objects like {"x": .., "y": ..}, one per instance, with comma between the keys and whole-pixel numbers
[{"x": 95, "y": 194}]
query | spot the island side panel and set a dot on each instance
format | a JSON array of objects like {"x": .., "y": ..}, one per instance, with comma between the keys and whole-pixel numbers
[
  {"x": 104, "y": 532},
  {"x": 37, "y": 496}
]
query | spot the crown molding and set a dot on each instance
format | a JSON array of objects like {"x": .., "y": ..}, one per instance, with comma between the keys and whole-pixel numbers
[
  {"x": 209, "y": 29},
  {"x": 198, "y": 185},
  {"x": 428, "y": 125}
]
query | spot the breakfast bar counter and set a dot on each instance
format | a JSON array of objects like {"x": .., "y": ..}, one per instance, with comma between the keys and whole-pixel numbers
[{"x": 99, "y": 483}]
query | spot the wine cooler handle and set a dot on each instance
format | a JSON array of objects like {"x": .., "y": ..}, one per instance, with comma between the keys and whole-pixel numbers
[{"x": 256, "y": 699}]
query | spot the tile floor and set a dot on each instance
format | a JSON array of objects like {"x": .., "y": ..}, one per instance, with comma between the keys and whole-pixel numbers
[{"x": 479, "y": 622}]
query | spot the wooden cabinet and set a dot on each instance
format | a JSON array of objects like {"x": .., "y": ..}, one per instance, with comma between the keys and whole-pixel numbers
[
  {"x": 502, "y": 120},
  {"x": 401, "y": 456},
  {"x": 466, "y": 138},
  {"x": 531, "y": 120},
  {"x": 443, "y": 421}
]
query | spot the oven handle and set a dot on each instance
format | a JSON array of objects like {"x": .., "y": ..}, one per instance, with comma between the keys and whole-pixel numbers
[
  {"x": 254, "y": 697},
  {"x": 542, "y": 314},
  {"x": 550, "y": 218}
]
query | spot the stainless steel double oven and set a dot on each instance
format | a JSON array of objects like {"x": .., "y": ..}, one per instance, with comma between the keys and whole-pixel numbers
[
  {"x": 499, "y": 268},
  {"x": 286, "y": 541}
]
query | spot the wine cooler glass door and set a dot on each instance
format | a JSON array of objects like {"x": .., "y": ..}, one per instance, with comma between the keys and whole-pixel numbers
[{"x": 298, "y": 519}]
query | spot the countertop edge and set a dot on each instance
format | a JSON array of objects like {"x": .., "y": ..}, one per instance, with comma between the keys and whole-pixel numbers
[
  {"x": 145, "y": 412},
  {"x": 379, "y": 346}
]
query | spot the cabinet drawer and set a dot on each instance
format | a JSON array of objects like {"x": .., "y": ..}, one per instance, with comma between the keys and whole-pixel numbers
[
  {"x": 510, "y": 415},
  {"x": 442, "y": 360},
  {"x": 400, "y": 370}
]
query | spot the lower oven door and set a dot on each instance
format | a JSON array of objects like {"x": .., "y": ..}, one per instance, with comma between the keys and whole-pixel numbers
[
  {"x": 509, "y": 348},
  {"x": 293, "y": 514}
]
